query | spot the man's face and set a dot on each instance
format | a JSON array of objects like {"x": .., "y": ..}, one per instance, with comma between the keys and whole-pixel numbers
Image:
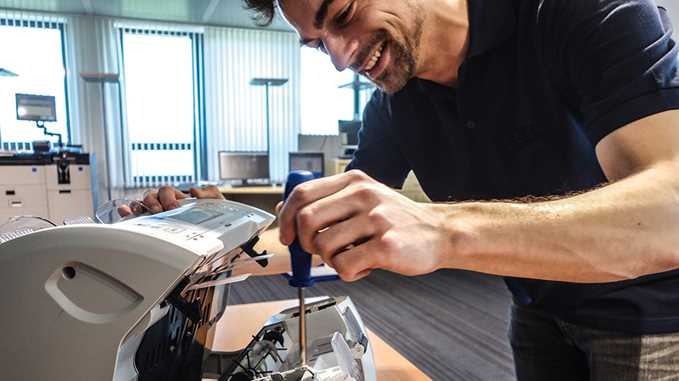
[{"x": 377, "y": 38}]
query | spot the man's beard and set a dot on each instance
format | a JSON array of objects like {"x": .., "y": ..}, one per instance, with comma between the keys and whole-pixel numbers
[
  {"x": 403, "y": 57},
  {"x": 401, "y": 69}
]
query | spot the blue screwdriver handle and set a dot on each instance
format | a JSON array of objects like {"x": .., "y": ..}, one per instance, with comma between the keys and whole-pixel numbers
[{"x": 300, "y": 260}]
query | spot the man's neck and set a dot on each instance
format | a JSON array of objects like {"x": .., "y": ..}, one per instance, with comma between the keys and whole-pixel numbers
[{"x": 445, "y": 40}]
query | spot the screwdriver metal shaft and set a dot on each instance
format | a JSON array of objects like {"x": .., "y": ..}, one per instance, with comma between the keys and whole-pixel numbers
[
  {"x": 302, "y": 326},
  {"x": 300, "y": 262}
]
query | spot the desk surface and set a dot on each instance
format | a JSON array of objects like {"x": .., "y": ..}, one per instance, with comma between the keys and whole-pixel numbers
[
  {"x": 272, "y": 190},
  {"x": 391, "y": 366}
]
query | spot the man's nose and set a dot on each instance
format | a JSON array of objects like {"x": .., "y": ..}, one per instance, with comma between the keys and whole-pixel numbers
[{"x": 340, "y": 50}]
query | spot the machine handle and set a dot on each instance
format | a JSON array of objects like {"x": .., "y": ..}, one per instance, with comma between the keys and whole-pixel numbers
[
  {"x": 10, "y": 192},
  {"x": 300, "y": 260}
]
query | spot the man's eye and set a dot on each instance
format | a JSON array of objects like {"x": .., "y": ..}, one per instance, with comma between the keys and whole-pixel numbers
[{"x": 343, "y": 18}]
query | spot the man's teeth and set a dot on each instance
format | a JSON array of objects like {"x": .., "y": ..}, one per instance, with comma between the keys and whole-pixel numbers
[{"x": 376, "y": 57}]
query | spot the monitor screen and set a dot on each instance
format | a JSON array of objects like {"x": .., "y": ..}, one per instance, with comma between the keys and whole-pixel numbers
[
  {"x": 308, "y": 161},
  {"x": 243, "y": 165},
  {"x": 348, "y": 131},
  {"x": 39, "y": 108}
]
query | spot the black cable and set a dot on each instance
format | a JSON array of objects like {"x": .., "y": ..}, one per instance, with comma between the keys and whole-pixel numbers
[{"x": 41, "y": 125}]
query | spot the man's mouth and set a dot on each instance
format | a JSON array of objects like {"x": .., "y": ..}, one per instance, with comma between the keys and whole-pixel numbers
[
  {"x": 373, "y": 65},
  {"x": 372, "y": 61}
]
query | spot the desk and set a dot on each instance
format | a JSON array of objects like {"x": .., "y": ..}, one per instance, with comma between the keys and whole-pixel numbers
[
  {"x": 263, "y": 197},
  {"x": 272, "y": 189},
  {"x": 250, "y": 318}
]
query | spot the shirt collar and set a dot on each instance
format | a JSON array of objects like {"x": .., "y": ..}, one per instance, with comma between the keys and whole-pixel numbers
[{"x": 491, "y": 22}]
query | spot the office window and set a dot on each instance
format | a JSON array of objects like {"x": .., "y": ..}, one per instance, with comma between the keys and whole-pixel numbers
[
  {"x": 161, "y": 109},
  {"x": 33, "y": 51},
  {"x": 323, "y": 103}
]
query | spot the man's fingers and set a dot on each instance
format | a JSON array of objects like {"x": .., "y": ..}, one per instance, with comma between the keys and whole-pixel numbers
[
  {"x": 152, "y": 203},
  {"x": 207, "y": 192},
  {"x": 324, "y": 213},
  {"x": 341, "y": 235},
  {"x": 169, "y": 196},
  {"x": 138, "y": 208},
  {"x": 358, "y": 262},
  {"x": 308, "y": 193},
  {"x": 124, "y": 211},
  {"x": 179, "y": 195}
]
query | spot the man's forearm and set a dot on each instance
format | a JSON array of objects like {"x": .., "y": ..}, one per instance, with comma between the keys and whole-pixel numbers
[{"x": 622, "y": 231}]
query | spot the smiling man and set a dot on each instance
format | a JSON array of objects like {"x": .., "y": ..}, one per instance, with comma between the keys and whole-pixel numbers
[
  {"x": 567, "y": 109},
  {"x": 503, "y": 99}
]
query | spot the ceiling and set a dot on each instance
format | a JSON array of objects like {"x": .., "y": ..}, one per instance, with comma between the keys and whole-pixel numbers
[{"x": 210, "y": 12}]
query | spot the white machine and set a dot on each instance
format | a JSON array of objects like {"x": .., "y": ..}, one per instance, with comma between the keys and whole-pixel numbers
[
  {"x": 55, "y": 186},
  {"x": 140, "y": 300}
]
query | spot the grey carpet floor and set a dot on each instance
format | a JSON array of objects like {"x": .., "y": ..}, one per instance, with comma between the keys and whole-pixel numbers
[{"x": 451, "y": 324}]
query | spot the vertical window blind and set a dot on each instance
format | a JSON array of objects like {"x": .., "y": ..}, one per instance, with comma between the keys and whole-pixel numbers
[{"x": 236, "y": 110}]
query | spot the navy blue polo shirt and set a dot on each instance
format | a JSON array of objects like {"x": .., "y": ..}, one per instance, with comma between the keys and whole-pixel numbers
[{"x": 543, "y": 82}]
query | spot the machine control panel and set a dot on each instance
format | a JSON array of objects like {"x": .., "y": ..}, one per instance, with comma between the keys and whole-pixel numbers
[{"x": 203, "y": 226}]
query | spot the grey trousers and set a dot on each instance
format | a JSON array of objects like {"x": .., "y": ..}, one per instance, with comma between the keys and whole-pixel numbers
[{"x": 548, "y": 349}]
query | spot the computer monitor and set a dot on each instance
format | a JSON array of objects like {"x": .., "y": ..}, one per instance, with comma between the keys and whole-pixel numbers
[
  {"x": 313, "y": 162},
  {"x": 348, "y": 131},
  {"x": 37, "y": 108},
  {"x": 244, "y": 166}
]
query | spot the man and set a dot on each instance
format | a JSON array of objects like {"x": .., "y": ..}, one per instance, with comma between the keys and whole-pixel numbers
[{"x": 571, "y": 103}]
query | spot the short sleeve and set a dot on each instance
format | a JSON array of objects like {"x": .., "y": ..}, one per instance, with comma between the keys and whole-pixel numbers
[
  {"x": 378, "y": 153},
  {"x": 618, "y": 57}
]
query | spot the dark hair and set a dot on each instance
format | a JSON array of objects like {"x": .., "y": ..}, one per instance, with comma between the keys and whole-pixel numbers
[{"x": 265, "y": 11}]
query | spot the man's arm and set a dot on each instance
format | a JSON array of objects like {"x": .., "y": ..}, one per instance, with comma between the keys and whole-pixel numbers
[{"x": 624, "y": 230}]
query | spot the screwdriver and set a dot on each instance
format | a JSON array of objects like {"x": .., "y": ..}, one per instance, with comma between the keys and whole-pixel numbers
[{"x": 300, "y": 262}]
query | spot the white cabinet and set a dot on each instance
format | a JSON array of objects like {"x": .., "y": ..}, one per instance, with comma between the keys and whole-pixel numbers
[
  {"x": 22, "y": 191},
  {"x": 79, "y": 177},
  {"x": 22, "y": 200},
  {"x": 70, "y": 200},
  {"x": 67, "y": 203},
  {"x": 32, "y": 188},
  {"x": 22, "y": 175}
]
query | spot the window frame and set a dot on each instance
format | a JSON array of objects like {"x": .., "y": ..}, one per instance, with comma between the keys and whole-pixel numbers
[
  {"x": 199, "y": 143},
  {"x": 39, "y": 24}
]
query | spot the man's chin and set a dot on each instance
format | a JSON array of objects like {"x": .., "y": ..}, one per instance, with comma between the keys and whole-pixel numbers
[
  {"x": 390, "y": 86},
  {"x": 390, "y": 90}
]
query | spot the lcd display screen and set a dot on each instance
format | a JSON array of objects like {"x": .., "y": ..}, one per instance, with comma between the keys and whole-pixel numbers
[
  {"x": 196, "y": 216},
  {"x": 39, "y": 108}
]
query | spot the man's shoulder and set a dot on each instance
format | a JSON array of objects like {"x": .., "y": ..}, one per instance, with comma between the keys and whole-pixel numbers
[{"x": 583, "y": 11}]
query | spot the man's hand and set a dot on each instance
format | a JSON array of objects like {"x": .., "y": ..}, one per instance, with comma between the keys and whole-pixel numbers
[
  {"x": 357, "y": 225},
  {"x": 166, "y": 198}
]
